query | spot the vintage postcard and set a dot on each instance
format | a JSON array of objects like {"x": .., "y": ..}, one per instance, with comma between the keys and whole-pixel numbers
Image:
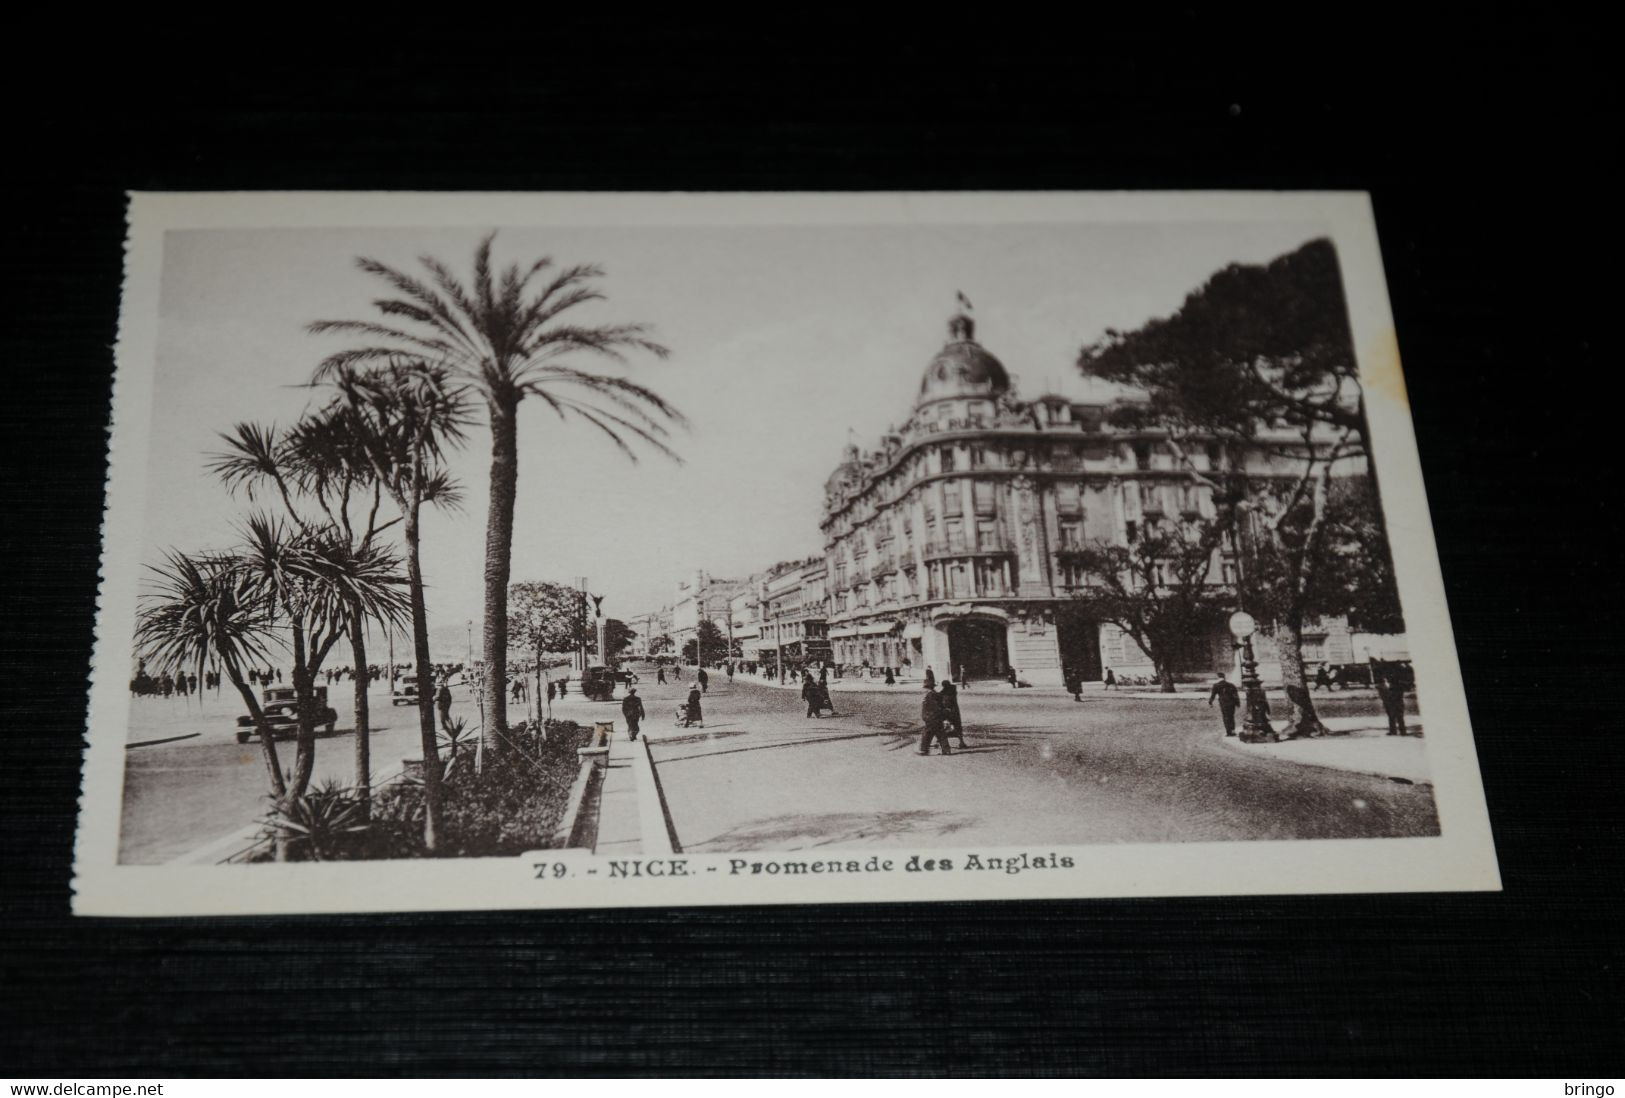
[{"x": 567, "y": 550}]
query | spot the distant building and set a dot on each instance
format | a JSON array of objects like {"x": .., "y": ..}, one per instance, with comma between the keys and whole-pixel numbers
[
  {"x": 702, "y": 597},
  {"x": 794, "y": 631},
  {"x": 954, "y": 543}
]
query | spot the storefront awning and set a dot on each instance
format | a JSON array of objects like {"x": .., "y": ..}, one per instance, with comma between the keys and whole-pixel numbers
[
  {"x": 837, "y": 632},
  {"x": 913, "y": 630},
  {"x": 876, "y": 628}
]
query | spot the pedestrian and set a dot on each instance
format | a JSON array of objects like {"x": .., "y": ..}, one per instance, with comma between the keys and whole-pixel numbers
[
  {"x": 1010, "y": 676},
  {"x": 931, "y": 714},
  {"x": 632, "y": 710},
  {"x": 518, "y": 688},
  {"x": 930, "y": 678},
  {"x": 660, "y": 674},
  {"x": 693, "y": 714},
  {"x": 823, "y": 675},
  {"x": 1111, "y": 680},
  {"x": 950, "y": 710},
  {"x": 730, "y": 671},
  {"x": 551, "y": 691},
  {"x": 279, "y": 674},
  {"x": 564, "y": 684},
  {"x": 891, "y": 680},
  {"x": 1074, "y": 683},
  {"x": 704, "y": 680},
  {"x": 809, "y": 694},
  {"x": 1323, "y": 680},
  {"x": 1229, "y": 698},
  {"x": 442, "y": 700},
  {"x": 1393, "y": 704}
]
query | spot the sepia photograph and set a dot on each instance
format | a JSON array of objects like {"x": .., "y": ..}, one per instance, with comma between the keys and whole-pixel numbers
[{"x": 640, "y": 549}]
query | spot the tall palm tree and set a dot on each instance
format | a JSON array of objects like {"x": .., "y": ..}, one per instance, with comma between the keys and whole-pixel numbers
[
  {"x": 206, "y": 612},
  {"x": 503, "y": 336},
  {"x": 402, "y": 417}
]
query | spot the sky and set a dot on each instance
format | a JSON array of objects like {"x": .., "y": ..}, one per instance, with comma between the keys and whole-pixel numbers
[{"x": 783, "y": 340}]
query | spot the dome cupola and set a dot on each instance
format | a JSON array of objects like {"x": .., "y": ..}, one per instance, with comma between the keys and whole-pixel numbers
[{"x": 963, "y": 368}]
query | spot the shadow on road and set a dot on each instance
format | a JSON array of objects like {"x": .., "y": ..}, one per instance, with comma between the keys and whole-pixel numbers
[{"x": 812, "y": 831}]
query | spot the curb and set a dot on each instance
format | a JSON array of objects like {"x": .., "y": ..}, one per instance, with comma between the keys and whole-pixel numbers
[
  {"x": 166, "y": 739},
  {"x": 569, "y": 832},
  {"x": 659, "y": 838}
]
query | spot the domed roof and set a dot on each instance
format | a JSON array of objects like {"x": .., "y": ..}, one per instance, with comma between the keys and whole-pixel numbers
[{"x": 963, "y": 368}]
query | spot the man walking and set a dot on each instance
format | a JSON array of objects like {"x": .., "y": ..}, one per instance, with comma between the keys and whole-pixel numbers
[
  {"x": 442, "y": 701},
  {"x": 930, "y": 678},
  {"x": 704, "y": 680},
  {"x": 1229, "y": 699},
  {"x": 1111, "y": 680},
  {"x": 931, "y": 714},
  {"x": 1392, "y": 696},
  {"x": 949, "y": 696},
  {"x": 632, "y": 710},
  {"x": 660, "y": 674},
  {"x": 809, "y": 694}
]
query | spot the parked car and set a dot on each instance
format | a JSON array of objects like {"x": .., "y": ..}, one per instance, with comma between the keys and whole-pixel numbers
[
  {"x": 280, "y": 704},
  {"x": 405, "y": 691}
]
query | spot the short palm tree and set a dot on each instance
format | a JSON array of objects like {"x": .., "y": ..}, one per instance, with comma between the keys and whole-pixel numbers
[
  {"x": 504, "y": 336},
  {"x": 316, "y": 583},
  {"x": 208, "y": 612},
  {"x": 319, "y": 473}
]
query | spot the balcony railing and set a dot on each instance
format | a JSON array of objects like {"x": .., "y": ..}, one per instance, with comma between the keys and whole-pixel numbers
[{"x": 979, "y": 545}]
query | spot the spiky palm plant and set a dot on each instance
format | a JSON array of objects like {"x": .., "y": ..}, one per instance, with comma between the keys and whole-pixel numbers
[
  {"x": 503, "y": 335},
  {"x": 316, "y": 584},
  {"x": 210, "y": 612},
  {"x": 319, "y": 472}
]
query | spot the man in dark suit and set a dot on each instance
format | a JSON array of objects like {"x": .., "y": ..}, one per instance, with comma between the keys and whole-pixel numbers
[
  {"x": 1229, "y": 699},
  {"x": 949, "y": 697},
  {"x": 931, "y": 714},
  {"x": 632, "y": 710},
  {"x": 809, "y": 694}
]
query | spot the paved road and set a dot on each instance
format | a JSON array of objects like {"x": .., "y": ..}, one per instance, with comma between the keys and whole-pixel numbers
[
  {"x": 1040, "y": 768},
  {"x": 183, "y": 794}
]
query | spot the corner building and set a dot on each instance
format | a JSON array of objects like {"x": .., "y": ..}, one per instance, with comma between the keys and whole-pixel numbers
[{"x": 948, "y": 545}]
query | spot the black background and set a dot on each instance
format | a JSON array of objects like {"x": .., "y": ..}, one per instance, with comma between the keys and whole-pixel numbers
[{"x": 1488, "y": 151}]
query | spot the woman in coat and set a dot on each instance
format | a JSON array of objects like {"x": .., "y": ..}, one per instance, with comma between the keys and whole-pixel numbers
[{"x": 694, "y": 715}]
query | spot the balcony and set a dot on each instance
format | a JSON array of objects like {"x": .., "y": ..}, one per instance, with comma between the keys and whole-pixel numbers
[
  {"x": 982, "y": 545},
  {"x": 885, "y": 566}
]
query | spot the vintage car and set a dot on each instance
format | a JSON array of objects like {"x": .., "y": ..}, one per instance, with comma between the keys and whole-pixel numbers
[
  {"x": 281, "y": 708},
  {"x": 598, "y": 684},
  {"x": 405, "y": 691}
]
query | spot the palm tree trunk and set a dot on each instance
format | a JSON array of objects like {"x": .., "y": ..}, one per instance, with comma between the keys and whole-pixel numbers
[
  {"x": 273, "y": 765},
  {"x": 420, "y": 652},
  {"x": 1301, "y": 718},
  {"x": 304, "y": 759},
  {"x": 504, "y": 411},
  {"x": 363, "y": 721}
]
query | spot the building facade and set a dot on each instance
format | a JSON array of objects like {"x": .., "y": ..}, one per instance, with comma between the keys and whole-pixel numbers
[
  {"x": 793, "y": 608},
  {"x": 953, "y": 544}
]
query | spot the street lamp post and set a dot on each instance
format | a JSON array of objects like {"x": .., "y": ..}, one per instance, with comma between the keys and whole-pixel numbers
[{"x": 1256, "y": 727}]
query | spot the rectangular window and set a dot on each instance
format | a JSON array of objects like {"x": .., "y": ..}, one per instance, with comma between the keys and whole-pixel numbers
[
  {"x": 1071, "y": 535},
  {"x": 953, "y": 503},
  {"x": 947, "y": 459},
  {"x": 956, "y": 534},
  {"x": 1142, "y": 455},
  {"x": 1068, "y": 498},
  {"x": 986, "y": 496}
]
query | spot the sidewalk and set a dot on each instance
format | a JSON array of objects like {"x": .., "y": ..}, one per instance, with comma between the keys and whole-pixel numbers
[{"x": 1364, "y": 748}]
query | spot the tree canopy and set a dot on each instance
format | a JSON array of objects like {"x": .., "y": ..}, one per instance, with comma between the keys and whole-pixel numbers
[{"x": 544, "y": 617}]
